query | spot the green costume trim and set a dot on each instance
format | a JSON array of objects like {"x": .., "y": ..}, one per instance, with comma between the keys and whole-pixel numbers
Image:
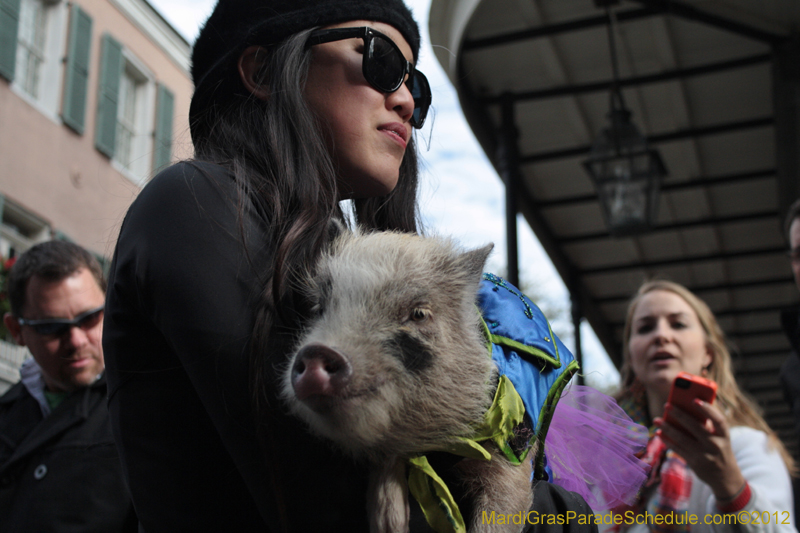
[
  {"x": 441, "y": 510},
  {"x": 525, "y": 349},
  {"x": 543, "y": 376},
  {"x": 546, "y": 415},
  {"x": 438, "y": 505},
  {"x": 520, "y": 347}
]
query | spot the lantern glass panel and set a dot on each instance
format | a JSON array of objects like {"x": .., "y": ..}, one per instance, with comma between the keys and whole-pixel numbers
[{"x": 625, "y": 201}]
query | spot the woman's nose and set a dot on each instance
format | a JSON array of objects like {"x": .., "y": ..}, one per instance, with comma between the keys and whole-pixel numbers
[
  {"x": 661, "y": 332},
  {"x": 402, "y": 102}
]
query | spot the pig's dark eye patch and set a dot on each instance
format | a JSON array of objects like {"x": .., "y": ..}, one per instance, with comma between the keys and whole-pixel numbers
[{"x": 412, "y": 353}]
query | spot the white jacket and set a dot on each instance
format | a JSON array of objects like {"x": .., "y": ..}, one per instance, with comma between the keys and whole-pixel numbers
[{"x": 770, "y": 484}]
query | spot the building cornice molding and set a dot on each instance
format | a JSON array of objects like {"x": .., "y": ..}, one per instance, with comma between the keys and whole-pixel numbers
[{"x": 153, "y": 25}]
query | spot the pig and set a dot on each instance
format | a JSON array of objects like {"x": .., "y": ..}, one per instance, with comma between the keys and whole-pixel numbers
[{"x": 393, "y": 363}]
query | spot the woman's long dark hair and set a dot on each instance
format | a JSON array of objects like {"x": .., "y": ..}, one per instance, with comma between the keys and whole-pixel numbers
[{"x": 277, "y": 153}]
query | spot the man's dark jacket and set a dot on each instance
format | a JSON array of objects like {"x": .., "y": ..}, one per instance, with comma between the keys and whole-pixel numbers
[{"x": 61, "y": 473}]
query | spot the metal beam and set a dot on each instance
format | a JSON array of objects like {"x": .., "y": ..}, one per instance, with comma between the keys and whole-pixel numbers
[
  {"x": 688, "y": 12},
  {"x": 682, "y": 260},
  {"x": 711, "y": 181},
  {"x": 754, "y": 310},
  {"x": 549, "y": 30},
  {"x": 758, "y": 383},
  {"x": 743, "y": 311},
  {"x": 716, "y": 129},
  {"x": 763, "y": 353},
  {"x": 699, "y": 289},
  {"x": 710, "y": 221},
  {"x": 712, "y": 130},
  {"x": 635, "y": 81},
  {"x": 755, "y": 333}
]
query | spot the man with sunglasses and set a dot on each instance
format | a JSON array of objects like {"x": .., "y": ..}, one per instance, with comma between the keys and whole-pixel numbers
[{"x": 58, "y": 463}]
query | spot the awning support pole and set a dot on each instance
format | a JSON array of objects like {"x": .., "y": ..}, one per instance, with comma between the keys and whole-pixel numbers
[
  {"x": 577, "y": 317},
  {"x": 508, "y": 157}
]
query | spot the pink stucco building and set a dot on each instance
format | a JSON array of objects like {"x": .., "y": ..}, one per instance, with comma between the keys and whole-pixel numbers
[{"x": 94, "y": 99}]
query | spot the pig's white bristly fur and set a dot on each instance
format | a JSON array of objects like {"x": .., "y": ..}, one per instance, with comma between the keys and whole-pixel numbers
[{"x": 366, "y": 288}]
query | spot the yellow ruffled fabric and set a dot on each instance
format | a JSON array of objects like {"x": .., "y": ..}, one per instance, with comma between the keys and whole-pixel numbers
[{"x": 441, "y": 511}]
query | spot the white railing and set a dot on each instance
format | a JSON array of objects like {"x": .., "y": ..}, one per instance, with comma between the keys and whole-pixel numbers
[
  {"x": 11, "y": 358},
  {"x": 12, "y": 354}
]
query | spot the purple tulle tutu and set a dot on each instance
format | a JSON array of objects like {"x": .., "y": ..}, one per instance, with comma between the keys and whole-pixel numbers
[{"x": 591, "y": 448}]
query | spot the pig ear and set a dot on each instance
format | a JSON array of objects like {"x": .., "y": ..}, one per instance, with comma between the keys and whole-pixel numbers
[{"x": 474, "y": 260}]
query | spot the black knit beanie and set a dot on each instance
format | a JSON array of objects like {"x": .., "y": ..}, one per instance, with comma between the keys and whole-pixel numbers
[{"x": 236, "y": 24}]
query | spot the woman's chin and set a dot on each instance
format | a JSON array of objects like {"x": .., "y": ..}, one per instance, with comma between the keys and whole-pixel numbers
[
  {"x": 366, "y": 183},
  {"x": 660, "y": 380}
]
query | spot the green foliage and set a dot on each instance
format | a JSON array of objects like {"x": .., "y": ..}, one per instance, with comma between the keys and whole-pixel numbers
[{"x": 5, "y": 303}]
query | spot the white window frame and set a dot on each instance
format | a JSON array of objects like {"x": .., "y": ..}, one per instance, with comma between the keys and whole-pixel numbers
[
  {"x": 20, "y": 229},
  {"x": 140, "y": 166},
  {"x": 56, "y": 14}
]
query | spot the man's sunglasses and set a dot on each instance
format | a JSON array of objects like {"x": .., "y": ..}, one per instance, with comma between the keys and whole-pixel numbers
[
  {"x": 384, "y": 66},
  {"x": 58, "y": 326}
]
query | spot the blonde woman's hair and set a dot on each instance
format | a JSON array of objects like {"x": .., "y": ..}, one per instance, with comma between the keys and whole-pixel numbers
[{"x": 737, "y": 407}]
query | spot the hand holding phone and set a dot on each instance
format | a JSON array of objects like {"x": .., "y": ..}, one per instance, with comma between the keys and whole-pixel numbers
[{"x": 685, "y": 389}]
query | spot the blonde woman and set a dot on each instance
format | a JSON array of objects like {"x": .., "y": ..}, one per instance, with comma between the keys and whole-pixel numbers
[{"x": 729, "y": 470}]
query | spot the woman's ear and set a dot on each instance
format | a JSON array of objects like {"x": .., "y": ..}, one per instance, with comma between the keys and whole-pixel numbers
[
  {"x": 708, "y": 359},
  {"x": 251, "y": 70}
]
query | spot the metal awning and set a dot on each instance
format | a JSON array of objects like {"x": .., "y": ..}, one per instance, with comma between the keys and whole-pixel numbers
[{"x": 714, "y": 85}]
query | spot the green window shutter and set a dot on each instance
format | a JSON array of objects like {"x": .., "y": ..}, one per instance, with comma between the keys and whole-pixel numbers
[
  {"x": 163, "y": 134},
  {"x": 105, "y": 134},
  {"x": 9, "y": 27},
  {"x": 77, "y": 69}
]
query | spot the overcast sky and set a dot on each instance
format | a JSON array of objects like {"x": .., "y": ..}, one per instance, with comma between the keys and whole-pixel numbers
[{"x": 462, "y": 195}]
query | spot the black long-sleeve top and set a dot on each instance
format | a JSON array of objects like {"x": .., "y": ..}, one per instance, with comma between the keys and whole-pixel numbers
[
  {"x": 180, "y": 312},
  {"x": 179, "y": 315}
]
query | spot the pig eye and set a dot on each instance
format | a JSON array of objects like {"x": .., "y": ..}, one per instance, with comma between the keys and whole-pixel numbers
[
  {"x": 419, "y": 314},
  {"x": 317, "y": 307}
]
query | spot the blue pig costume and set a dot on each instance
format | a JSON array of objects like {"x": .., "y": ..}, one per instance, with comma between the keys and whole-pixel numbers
[{"x": 534, "y": 370}]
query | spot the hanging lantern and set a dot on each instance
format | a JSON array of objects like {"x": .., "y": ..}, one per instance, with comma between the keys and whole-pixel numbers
[
  {"x": 625, "y": 171},
  {"x": 627, "y": 175}
]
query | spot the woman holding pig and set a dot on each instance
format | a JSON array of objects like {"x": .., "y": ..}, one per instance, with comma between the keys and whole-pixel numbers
[
  {"x": 298, "y": 105},
  {"x": 729, "y": 464}
]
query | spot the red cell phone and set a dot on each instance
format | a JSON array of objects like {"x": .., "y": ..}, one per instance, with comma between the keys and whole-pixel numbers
[{"x": 685, "y": 389}]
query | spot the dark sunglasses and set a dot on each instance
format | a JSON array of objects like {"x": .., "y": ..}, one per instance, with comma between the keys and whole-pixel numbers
[
  {"x": 58, "y": 326},
  {"x": 384, "y": 66}
]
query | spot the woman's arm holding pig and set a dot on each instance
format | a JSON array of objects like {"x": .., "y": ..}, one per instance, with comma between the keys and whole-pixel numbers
[
  {"x": 178, "y": 321},
  {"x": 182, "y": 306}
]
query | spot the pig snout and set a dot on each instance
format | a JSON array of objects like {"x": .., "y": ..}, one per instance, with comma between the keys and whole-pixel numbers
[{"x": 319, "y": 371}]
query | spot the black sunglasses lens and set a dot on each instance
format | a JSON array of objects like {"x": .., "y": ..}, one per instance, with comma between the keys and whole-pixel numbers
[
  {"x": 52, "y": 328},
  {"x": 58, "y": 328},
  {"x": 421, "y": 92},
  {"x": 90, "y": 321},
  {"x": 385, "y": 68},
  {"x": 384, "y": 65}
]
